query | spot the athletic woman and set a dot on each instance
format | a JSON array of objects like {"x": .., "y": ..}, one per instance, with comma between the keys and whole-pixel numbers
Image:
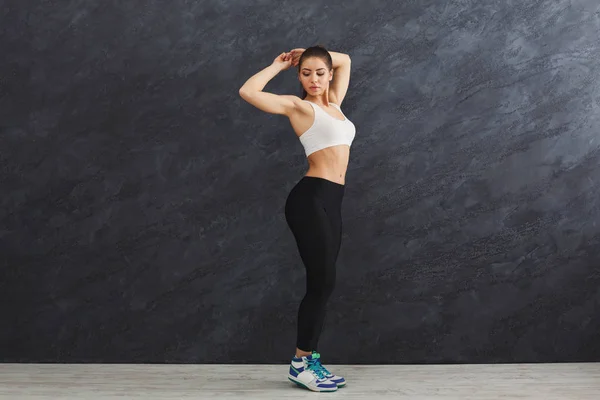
[{"x": 313, "y": 207}]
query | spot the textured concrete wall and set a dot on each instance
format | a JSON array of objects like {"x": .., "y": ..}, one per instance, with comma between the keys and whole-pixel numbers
[{"x": 142, "y": 199}]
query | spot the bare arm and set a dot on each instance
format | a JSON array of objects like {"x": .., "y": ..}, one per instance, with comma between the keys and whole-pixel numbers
[
  {"x": 259, "y": 80},
  {"x": 341, "y": 78},
  {"x": 252, "y": 89},
  {"x": 252, "y": 92},
  {"x": 339, "y": 59}
]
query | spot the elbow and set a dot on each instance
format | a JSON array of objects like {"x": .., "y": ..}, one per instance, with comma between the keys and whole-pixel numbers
[{"x": 244, "y": 92}]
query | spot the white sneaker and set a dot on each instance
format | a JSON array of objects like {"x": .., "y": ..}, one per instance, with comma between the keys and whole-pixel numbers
[
  {"x": 338, "y": 380},
  {"x": 307, "y": 373}
]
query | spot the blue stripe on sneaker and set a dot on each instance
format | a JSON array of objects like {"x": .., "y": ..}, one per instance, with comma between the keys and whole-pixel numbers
[{"x": 326, "y": 385}]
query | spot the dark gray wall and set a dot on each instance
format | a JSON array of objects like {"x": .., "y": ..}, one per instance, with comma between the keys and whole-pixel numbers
[{"x": 142, "y": 199}]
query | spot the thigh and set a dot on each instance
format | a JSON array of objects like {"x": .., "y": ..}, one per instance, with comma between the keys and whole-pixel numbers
[
  {"x": 315, "y": 238},
  {"x": 334, "y": 216}
]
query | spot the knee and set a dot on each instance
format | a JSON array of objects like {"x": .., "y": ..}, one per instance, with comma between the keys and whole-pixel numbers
[{"x": 323, "y": 286}]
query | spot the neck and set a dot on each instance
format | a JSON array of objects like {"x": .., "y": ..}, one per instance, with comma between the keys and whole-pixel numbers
[{"x": 323, "y": 100}]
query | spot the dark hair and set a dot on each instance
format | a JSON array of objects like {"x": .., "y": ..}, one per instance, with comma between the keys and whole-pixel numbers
[{"x": 317, "y": 51}]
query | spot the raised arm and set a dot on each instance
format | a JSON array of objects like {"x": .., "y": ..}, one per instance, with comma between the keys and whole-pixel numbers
[
  {"x": 341, "y": 76},
  {"x": 252, "y": 92}
]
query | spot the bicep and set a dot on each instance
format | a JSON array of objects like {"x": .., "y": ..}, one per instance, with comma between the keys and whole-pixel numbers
[
  {"x": 270, "y": 102},
  {"x": 340, "y": 82}
]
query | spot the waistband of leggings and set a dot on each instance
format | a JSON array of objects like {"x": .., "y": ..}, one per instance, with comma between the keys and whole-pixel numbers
[{"x": 325, "y": 182}]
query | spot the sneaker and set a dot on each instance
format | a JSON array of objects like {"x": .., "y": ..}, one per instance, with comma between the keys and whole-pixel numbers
[
  {"x": 306, "y": 372},
  {"x": 338, "y": 380}
]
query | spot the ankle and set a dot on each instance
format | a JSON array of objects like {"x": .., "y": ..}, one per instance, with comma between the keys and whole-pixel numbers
[{"x": 302, "y": 353}]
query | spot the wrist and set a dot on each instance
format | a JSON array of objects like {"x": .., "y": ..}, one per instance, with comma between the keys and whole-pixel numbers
[{"x": 276, "y": 67}]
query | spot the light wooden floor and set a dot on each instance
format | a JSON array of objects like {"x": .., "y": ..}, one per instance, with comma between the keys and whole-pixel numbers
[{"x": 187, "y": 381}]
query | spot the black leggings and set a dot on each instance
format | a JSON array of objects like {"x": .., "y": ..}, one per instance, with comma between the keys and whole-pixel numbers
[{"x": 313, "y": 213}]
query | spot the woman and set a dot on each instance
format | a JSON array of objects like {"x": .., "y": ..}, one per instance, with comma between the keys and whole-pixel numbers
[{"x": 313, "y": 207}]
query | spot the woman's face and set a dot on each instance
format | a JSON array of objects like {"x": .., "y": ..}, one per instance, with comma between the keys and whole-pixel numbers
[{"x": 314, "y": 73}]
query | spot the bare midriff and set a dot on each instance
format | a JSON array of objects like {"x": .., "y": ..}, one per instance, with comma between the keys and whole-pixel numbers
[{"x": 330, "y": 163}]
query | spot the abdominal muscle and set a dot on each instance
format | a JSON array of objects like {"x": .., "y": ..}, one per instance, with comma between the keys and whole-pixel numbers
[{"x": 329, "y": 163}]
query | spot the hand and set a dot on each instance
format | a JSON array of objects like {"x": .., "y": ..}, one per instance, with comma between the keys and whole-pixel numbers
[
  {"x": 296, "y": 53},
  {"x": 283, "y": 61}
]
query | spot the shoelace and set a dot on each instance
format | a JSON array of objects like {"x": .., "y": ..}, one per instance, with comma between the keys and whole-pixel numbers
[
  {"x": 322, "y": 368},
  {"x": 317, "y": 361},
  {"x": 317, "y": 368}
]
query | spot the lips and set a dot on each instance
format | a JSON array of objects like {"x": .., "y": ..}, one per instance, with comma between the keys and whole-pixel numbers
[{"x": 314, "y": 87}]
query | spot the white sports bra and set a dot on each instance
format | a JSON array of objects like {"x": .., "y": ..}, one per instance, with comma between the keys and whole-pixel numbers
[{"x": 327, "y": 131}]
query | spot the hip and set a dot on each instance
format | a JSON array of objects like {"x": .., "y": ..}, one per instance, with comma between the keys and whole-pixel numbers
[{"x": 313, "y": 189}]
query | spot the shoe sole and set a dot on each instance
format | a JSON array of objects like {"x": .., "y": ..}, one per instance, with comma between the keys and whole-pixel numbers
[{"x": 302, "y": 385}]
